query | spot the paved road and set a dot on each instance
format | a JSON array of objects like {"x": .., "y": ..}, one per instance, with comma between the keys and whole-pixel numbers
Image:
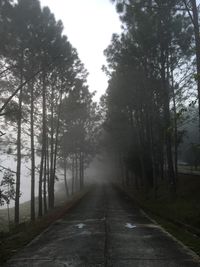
[{"x": 104, "y": 229}]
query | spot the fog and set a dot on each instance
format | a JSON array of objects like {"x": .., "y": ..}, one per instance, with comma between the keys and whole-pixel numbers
[{"x": 99, "y": 171}]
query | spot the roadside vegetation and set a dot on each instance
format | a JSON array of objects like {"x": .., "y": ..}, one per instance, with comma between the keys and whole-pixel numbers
[
  {"x": 152, "y": 100},
  {"x": 180, "y": 216},
  {"x": 147, "y": 123},
  {"x": 151, "y": 110},
  {"x": 22, "y": 234}
]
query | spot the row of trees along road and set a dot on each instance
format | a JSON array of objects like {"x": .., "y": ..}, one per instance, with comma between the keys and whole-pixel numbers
[
  {"x": 45, "y": 101},
  {"x": 151, "y": 68}
]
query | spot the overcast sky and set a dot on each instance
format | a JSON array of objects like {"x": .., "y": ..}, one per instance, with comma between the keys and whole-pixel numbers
[{"x": 89, "y": 25}]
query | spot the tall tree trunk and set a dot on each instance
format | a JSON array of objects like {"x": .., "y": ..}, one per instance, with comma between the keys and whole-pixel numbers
[
  {"x": 164, "y": 73},
  {"x": 197, "y": 43},
  {"x": 175, "y": 129},
  {"x": 40, "y": 184},
  {"x": 80, "y": 175},
  {"x": 48, "y": 167},
  {"x": 51, "y": 178},
  {"x": 18, "y": 173},
  {"x": 76, "y": 172},
  {"x": 195, "y": 20},
  {"x": 53, "y": 171},
  {"x": 143, "y": 177},
  {"x": 121, "y": 167},
  {"x": 73, "y": 174},
  {"x": 32, "y": 155},
  {"x": 45, "y": 183},
  {"x": 65, "y": 178},
  {"x": 152, "y": 149},
  {"x": 44, "y": 136},
  {"x": 167, "y": 118},
  {"x": 81, "y": 170},
  {"x": 55, "y": 163},
  {"x": 169, "y": 143}
]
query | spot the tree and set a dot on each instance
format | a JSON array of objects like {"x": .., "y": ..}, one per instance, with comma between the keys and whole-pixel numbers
[
  {"x": 140, "y": 87},
  {"x": 79, "y": 124},
  {"x": 7, "y": 190},
  {"x": 192, "y": 9},
  {"x": 38, "y": 63}
]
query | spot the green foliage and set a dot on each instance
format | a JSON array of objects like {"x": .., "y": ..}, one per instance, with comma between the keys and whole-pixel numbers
[
  {"x": 7, "y": 188},
  {"x": 79, "y": 120},
  {"x": 193, "y": 155},
  {"x": 12, "y": 111},
  {"x": 40, "y": 70},
  {"x": 145, "y": 64}
]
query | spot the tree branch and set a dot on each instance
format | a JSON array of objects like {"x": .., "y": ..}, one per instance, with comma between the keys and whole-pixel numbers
[
  {"x": 20, "y": 87},
  {"x": 7, "y": 69},
  {"x": 7, "y": 169},
  {"x": 188, "y": 10}
]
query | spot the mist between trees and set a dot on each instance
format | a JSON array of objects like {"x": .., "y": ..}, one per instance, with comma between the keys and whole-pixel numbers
[
  {"x": 153, "y": 93},
  {"x": 47, "y": 110},
  {"x": 141, "y": 123}
]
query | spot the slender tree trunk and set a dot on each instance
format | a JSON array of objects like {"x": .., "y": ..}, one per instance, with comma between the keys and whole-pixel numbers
[
  {"x": 152, "y": 152},
  {"x": 18, "y": 174},
  {"x": 44, "y": 136},
  {"x": 168, "y": 134},
  {"x": 162, "y": 163},
  {"x": 164, "y": 59},
  {"x": 73, "y": 174},
  {"x": 55, "y": 160},
  {"x": 32, "y": 156},
  {"x": 81, "y": 170},
  {"x": 48, "y": 167},
  {"x": 76, "y": 172},
  {"x": 54, "y": 148},
  {"x": 51, "y": 182},
  {"x": 195, "y": 20},
  {"x": 40, "y": 185},
  {"x": 140, "y": 155},
  {"x": 65, "y": 178},
  {"x": 197, "y": 43},
  {"x": 45, "y": 183},
  {"x": 155, "y": 180},
  {"x": 175, "y": 130},
  {"x": 121, "y": 166}
]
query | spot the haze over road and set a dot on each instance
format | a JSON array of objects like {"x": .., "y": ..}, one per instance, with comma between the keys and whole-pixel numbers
[{"x": 104, "y": 229}]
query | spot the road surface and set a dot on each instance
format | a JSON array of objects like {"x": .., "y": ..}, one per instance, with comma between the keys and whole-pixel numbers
[{"x": 104, "y": 229}]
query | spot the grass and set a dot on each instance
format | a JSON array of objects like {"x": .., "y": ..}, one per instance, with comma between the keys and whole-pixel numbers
[
  {"x": 21, "y": 235},
  {"x": 187, "y": 238},
  {"x": 189, "y": 169},
  {"x": 185, "y": 207},
  {"x": 24, "y": 215},
  {"x": 168, "y": 211},
  {"x": 60, "y": 199}
]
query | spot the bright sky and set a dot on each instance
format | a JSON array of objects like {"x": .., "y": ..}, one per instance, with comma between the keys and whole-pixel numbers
[{"x": 89, "y": 25}]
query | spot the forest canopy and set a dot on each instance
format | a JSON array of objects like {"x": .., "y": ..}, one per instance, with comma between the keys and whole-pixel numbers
[{"x": 45, "y": 103}]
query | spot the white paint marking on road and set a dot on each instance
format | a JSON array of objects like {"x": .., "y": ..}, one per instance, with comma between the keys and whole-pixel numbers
[
  {"x": 86, "y": 233},
  {"x": 80, "y": 225},
  {"x": 130, "y": 225}
]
